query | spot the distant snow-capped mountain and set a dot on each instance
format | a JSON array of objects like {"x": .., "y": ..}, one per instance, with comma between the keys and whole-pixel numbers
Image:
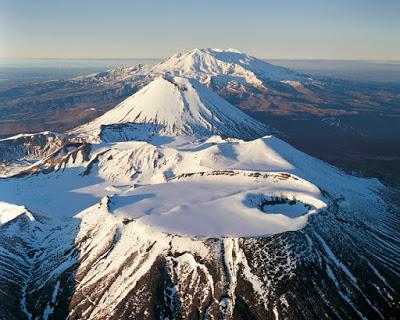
[
  {"x": 207, "y": 64},
  {"x": 231, "y": 64}
]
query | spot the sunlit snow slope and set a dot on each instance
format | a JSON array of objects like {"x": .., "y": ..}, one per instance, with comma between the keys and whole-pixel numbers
[{"x": 175, "y": 106}]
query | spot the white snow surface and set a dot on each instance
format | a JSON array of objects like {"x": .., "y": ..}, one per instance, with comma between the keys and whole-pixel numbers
[
  {"x": 178, "y": 106},
  {"x": 9, "y": 212},
  {"x": 198, "y": 189},
  {"x": 215, "y": 205}
]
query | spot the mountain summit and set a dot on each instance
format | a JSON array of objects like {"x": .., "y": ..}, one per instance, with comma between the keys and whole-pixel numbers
[
  {"x": 179, "y": 106},
  {"x": 203, "y": 64}
]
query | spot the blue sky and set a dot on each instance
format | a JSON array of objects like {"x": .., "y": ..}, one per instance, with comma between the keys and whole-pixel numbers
[{"x": 307, "y": 29}]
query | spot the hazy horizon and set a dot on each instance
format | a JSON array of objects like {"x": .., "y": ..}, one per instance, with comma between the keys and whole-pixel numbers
[
  {"x": 14, "y": 71},
  {"x": 161, "y": 58}
]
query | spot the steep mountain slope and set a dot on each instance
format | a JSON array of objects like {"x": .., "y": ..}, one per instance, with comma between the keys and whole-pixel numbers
[
  {"x": 20, "y": 152},
  {"x": 29, "y": 146},
  {"x": 177, "y": 106}
]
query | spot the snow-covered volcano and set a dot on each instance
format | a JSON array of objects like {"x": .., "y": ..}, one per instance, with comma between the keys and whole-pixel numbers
[
  {"x": 224, "y": 65},
  {"x": 126, "y": 227},
  {"x": 175, "y": 106}
]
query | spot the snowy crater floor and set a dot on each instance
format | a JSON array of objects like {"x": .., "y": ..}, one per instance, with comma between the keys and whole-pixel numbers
[{"x": 222, "y": 204}]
